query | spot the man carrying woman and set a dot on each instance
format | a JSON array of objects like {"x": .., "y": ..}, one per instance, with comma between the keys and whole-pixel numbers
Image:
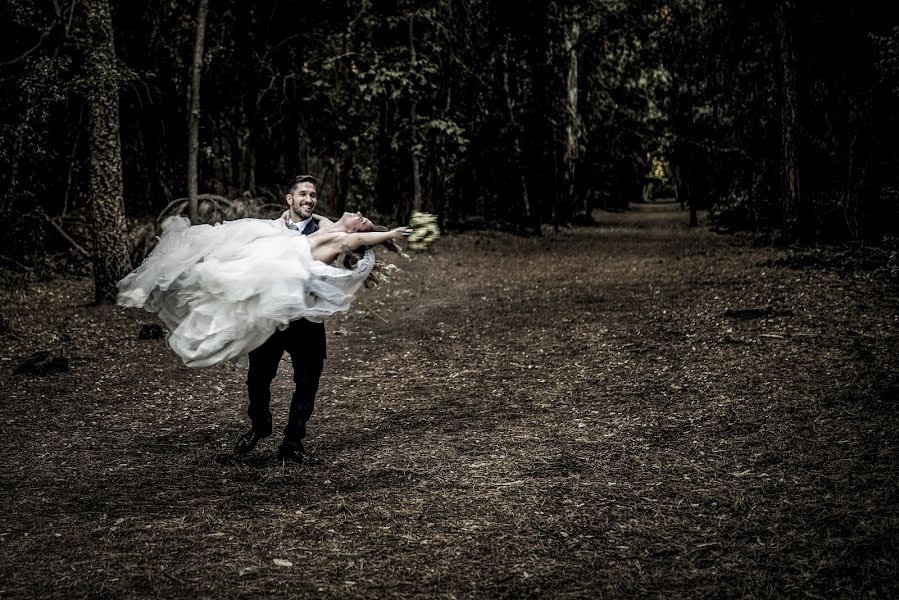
[{"x": 251, "y": 289}]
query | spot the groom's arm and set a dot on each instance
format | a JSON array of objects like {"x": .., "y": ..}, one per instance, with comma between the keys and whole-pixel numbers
[{"x": 322, "y": 221}]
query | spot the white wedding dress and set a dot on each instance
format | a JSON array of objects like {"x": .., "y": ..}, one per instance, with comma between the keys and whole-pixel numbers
[{"x": 223, "y": 290}]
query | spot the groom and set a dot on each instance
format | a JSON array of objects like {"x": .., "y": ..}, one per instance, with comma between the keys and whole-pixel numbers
[{"x": 302, "y": 339}]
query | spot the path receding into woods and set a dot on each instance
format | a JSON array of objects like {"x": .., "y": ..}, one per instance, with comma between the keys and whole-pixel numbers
[{"x": 630, "y": 410}]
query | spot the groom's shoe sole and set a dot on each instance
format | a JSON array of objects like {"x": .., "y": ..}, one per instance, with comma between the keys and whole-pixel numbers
[{"x": 247, "y": 442}]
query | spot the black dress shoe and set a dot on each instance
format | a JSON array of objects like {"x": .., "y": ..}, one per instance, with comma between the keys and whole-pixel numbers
[
  {"x": 296, "y": 455},
  {"x": 248, "y": 441}
]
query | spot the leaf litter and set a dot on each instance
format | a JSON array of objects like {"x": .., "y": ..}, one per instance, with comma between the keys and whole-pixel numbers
[{"x": 636, "y": 409}]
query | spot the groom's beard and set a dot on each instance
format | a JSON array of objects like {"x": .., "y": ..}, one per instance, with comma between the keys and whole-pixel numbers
[{"x": 302, "y": 214}]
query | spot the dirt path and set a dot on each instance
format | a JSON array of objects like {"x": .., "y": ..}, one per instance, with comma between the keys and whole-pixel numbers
[{"x": 578, "y": 416}]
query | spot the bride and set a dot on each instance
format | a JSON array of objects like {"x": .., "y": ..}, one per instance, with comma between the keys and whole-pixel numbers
[{"x": 223, "y": 290}]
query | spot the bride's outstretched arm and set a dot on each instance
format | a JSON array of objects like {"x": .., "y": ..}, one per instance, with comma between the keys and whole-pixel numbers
[
  {"x": 326, "y": 246},
  {"x": 372, "y": 238}
]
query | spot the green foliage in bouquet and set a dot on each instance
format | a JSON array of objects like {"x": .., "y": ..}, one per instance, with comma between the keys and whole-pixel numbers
[{"x": 424, "y": 231}]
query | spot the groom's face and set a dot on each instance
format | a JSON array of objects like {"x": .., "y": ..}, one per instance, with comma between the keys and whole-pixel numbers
[{"x": 302, "y": 201}]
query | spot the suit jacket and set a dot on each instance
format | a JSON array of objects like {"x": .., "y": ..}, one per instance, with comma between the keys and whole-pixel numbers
[
  {"x": 311, "y": 227},
  {"x": 309, "y": 336}
]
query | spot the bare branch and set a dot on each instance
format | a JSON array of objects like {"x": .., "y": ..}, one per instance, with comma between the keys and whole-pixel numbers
[
  {"x": 25, "y": 54},
  {"x": 65, "y": 235}
]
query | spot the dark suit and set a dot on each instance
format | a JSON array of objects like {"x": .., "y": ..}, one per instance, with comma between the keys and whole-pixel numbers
[{"x": 305, "y": 342}]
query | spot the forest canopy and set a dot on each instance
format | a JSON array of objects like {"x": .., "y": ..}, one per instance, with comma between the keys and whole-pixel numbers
[{"x": 776, "y": 116}]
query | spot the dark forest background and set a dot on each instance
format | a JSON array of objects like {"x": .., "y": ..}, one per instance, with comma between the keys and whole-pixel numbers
[{"x": 779, "y": 117}]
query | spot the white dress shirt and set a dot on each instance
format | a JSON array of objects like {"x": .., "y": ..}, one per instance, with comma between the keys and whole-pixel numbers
[{"x": 299, "y": 226}]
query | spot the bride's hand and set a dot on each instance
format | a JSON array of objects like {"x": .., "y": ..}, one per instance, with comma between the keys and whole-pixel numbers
[
  {"x": 400, "y": 232},
  {"x": 285, "y": 216}
]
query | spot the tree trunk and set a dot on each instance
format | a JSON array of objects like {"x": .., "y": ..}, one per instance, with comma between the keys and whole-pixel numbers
[
  {"x": 542, "y": 130},
  {"x": 386, "y": 178},
  {"x": 251, "y": 172},
  {"x": 110, "y": 259},
  {"x": 790, "y": 125},
  {"x": 413, "y": 128},
  {"x": 302, "y": 150},
  {"x": 572, "y": 128},
  {"x": 193, "y": 145},
  {"x": 517, "y": 155},
  {"x": 338, "y": 199}
]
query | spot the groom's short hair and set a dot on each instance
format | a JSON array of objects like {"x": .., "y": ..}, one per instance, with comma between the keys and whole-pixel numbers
[{"x": 293, "y": 183}]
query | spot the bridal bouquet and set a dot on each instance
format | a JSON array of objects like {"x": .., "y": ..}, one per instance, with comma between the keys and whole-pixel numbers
[{"x": 424, "y": 231}]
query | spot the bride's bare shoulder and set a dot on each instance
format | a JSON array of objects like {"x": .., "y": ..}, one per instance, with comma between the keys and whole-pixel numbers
[{"x": 323, "y": 222}]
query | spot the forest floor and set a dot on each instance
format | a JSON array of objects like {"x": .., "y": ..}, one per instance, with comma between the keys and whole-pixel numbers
[{"x": 636, "y": 409}]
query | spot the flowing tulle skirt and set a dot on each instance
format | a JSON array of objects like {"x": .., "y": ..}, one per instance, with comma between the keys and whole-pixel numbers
[{"x": 223, "y": 290}]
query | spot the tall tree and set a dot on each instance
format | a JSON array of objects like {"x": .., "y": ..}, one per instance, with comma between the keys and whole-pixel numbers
[
  {"x": 413, "y": 124},
  {"x": 517, "y": 155},
  {"x": 194, "y": 119},
  {"x": 110, "y": 259},
  {"x": 572, "y": 124},
  {"x": 790, "y": 123}
]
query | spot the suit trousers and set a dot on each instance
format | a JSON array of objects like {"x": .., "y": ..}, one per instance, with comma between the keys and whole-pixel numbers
[{"x": 305, "y": 342}]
